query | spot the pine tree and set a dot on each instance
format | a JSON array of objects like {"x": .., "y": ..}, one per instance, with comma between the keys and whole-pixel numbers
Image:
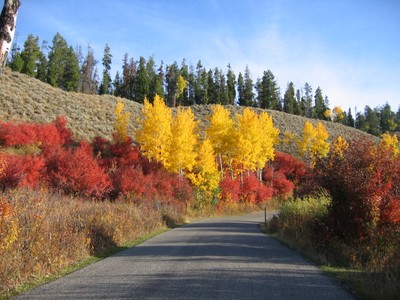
[
  {"x": 289, "y": 100},
  {"x": 71, "y": 76},
  {"x": 30, "y": 55},
  {"x": 268, "y": 91},
  {"x": 308, "y": 108},
  {"x": 182, "y": 98},
  {"x": 241, "y": 96},
  {"x": 231, "y": 86},
  {"x": 155, "y": 79},
  {"x": 105, "y": 86},
  {"x": 319, "y": 107},
  {"x": 248, "y": 88},
  {"x": 171, "y": 80},
  {"x": 141, "y": 87},
  {"x": 349, "y": 120},
  {"x": 16, "y": 62},
  {"x": 41, "y": 72},
  {"x": 57, "y": 61}
]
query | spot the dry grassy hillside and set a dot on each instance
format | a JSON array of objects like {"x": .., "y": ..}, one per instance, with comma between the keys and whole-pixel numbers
[{"x": 26, "y": 99}]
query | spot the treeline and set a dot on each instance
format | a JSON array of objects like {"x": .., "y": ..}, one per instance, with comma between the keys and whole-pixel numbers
[{"x": 63, "y": 66}]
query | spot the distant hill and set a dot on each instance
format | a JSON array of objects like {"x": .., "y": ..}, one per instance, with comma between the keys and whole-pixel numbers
[{"x": 23, "y": 98}]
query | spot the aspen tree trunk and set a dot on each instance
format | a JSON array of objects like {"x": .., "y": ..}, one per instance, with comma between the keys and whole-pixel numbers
[{"x": 8, "y": 22}]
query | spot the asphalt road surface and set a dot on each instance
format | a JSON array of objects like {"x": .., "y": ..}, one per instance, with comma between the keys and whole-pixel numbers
[{"x": 226, "y": 258}]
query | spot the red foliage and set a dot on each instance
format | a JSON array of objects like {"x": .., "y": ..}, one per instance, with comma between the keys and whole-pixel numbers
[
  {"x": 77, "y": 171},
  {"x": 254, "y": 191},
  {"x": 292, "y": 168},
  {"x": 23, "y": 171},
  {"x": 40, "y": 134},
  {"x": 230, "y": 189},
  {"x": 364, "y": 190},
  {"x": 278, "y": 181}
]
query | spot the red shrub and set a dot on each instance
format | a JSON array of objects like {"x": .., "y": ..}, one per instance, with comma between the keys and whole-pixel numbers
[
  {"x": 76, "y": 170},
  {"x": 292, "y": 168},
  {"x": 23, "y": 171},
  {"x": 363, "y": 185},
  {"x": 230, "y": 189},
  {"x": 254, "y": 191},
  {"x": 278, "y": 181},
  {"x": 41, "y": 134},
  {"x": 130, "y": 181}
]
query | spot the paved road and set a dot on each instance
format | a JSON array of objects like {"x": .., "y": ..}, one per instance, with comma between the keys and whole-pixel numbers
[{"x": 227, "y": 258}]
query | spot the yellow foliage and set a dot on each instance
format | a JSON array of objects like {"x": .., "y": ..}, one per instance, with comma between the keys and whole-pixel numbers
[
  {"x": 3, "y": 164},
  {"x": 183, "y": 139},
  {"x": 221, "y": 133},
  {"x": 328, "y": 114},
  {"x": 9, "y": 229},
  {"x": 338, "y": 114},
  {"x": 121, "y": 123},
  {"x": 256, "y": 138},
  {"x": 339, "y": 146},
  {"x": 313, "y": 144},
  {"x": 154, "y": 132},
  {"x": 390, "y": 142},
  {"x": 269, "y": 138},
  {"x": 182, "y": 84},
  {"x": 205, "y": 174}
]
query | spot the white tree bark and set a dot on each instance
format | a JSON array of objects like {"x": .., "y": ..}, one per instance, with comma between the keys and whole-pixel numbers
[{"x": 8, "y": 22}]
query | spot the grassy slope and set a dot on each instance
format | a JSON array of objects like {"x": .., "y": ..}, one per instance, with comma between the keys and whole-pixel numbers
[{"x": 26, "y": 99}]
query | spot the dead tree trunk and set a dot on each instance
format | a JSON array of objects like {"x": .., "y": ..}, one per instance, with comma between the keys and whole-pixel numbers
[{"x": 8, "y": 22}]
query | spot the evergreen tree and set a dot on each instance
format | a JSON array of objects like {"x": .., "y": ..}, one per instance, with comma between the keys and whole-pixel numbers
[
  {"x": 191, "y": 86},
  {"x": 198, "y": 87},
  {"x": 41, "y": 72},
  {"x": 184, "y": 72},
  {"x": 230, "y": 86},
  {"x": 289, "y": 100},
  {"x": 71, "y": 76},
  {"x": 387, "y": 119},
  {"x": 268, "y": 91},
  {"x": 30, "y": 55},
  {"x": 171, "y": 82},
  {"x": 241, "y": 96},
  {"x": 372, "y": 120},
  {"x": 155, "y": 79},
  {"x": 128, "y": 76},
  {"x": 222, "y": 89},
  {"x": 319, "y": 107},
  {"x": 57, "y": 61},
  {"x": 117, "y": 83},
  {"x": 300, "y": 107},
  {"x": 105, "y": 86},
  {"x": 248, "y": 88},
  {"x": 307, "y": 99},
  {"x": 211, "y": 88},
  {"x": 141, "y": 86},
  {"x": 16, "y": 62},
  {"x": 349, "y": 120}
]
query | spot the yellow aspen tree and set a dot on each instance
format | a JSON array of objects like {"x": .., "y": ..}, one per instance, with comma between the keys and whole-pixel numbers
[
  {"x": 248, "y": 143},
  {"x": 320, "y": 146},
  {"x": 338, "y": 114},
  {"x": 328, "y": 114},
  {"x": 269, "y": 138},
  {"x": 221, "y": 134},
  {"x": 183, "y": 139},
  {"x": 205, "y": 175},
  {"x": 339, "y": 146},
  {"x": 313, "y": 144},
  {"x": 121, "y": 123},
  {"x": 154, "y": 131},
  {"x": 306, "y": 139},
  {"x": 390, "y": 142}
]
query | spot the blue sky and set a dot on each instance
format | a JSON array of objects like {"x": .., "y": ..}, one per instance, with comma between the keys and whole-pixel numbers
[{"x": 350, "y": 48}]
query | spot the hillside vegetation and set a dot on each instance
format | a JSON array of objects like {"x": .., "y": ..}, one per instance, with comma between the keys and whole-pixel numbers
[{"x": 23, "y": 98}]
